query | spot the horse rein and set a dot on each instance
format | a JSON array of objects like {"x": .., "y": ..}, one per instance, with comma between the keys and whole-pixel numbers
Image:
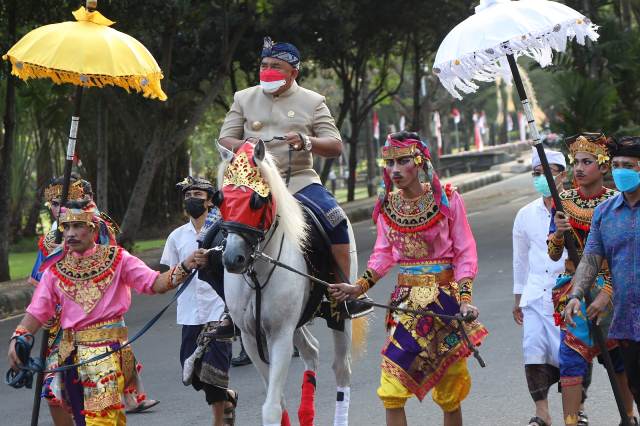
[
  {"x": 291, "y": 149},
  {"x": 460, "y": 319}
]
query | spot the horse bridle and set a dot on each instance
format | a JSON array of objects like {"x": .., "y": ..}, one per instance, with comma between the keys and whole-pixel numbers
[{"x": 254, "y": 237}]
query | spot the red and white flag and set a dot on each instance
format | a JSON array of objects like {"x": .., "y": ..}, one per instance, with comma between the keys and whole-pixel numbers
[
  {"x": 455, "y": 114},
  {"x": 478, "y": 124},
  {"x": 437, "y": 127},
  {"x": 376, "y": 126}
]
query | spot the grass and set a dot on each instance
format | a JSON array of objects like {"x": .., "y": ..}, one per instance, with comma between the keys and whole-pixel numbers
[
  {"x": 341, "y": 194},
  {"x": 20, "y": 264},
  {"x": 144, "y": 245},
  {"x": 21, "y": 261}
]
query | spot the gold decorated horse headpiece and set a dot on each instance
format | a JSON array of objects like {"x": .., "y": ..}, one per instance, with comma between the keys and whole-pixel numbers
[{"x": 243, "y": 171}]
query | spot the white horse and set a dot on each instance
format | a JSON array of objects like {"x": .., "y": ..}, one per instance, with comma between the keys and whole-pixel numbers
[{"x": 283, "y": 297}]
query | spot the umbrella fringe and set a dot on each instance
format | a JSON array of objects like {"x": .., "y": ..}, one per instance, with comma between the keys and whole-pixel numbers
[
  {"x": 458, "y": 75},
  {"x": 148, "y": 85}
]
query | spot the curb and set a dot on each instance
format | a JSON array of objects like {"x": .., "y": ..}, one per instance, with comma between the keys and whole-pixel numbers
[{"x": 15, "y": 300}]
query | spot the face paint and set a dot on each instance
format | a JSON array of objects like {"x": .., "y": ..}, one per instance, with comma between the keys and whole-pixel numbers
[{"x": 272, "y": 80}]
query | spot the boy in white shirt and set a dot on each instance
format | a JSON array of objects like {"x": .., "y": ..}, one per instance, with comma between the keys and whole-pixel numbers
[
  {"x": 205, "y": 361},
  {"x": 534, "y": 275}
]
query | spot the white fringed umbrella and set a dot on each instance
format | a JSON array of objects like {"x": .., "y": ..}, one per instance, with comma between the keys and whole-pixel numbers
[
  {"x": 477, "y": 48},
  {"x": 487, "y": 44}
]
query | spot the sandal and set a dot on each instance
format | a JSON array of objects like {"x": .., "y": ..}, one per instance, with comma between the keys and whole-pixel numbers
[
  {"x": 143, "y": 406},
  {"x": 229, "y": 418},
  {"x": 537, "y": 421},
  {"x": 583, "y": 419},
  {"x": 633, "y": 421}
]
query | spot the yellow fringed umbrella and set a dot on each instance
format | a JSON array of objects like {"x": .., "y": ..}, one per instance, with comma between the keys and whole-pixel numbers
[{"x": 86, "y": 53}]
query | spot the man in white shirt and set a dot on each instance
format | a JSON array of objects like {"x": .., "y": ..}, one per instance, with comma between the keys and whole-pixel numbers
[
  {"x": 200, "y": 310},
  {"x": 534, "y": 275}
]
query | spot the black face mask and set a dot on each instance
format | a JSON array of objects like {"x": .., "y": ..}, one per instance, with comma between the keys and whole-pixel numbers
[{"x": 194, "y": 207}]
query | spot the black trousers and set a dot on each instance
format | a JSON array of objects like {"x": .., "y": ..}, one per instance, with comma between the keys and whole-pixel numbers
[{"x": 630, "y": 351}]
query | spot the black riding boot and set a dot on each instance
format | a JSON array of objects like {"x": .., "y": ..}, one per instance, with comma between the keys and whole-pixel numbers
[{"x": 242, "y": 358}]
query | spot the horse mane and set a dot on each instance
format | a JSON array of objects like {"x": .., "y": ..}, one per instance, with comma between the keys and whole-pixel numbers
[
  {"x": 292, "y": 219},
  {"x": 292, "y": 222}
]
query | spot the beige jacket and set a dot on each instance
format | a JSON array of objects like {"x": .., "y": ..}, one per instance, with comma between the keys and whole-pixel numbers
[{"x": 260, "y": 115}]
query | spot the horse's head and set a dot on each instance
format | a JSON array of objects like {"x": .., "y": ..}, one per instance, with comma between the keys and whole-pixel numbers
[{"x": 246, "y": 205}]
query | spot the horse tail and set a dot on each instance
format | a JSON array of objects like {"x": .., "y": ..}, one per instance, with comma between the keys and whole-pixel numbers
[
  {"x": 359, "y": 326},
  {"x": 359, "y": 333}
]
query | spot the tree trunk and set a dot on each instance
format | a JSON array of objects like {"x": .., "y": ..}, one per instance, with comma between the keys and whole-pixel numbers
[
  {"x": 133, "y": 216},
  {"x": 102, "y": 166},
  {"x": 7, "y": 151},
  {"x": 353, "y": 163},
  {"x": 504, "y": 128},
  {"x": 371, "y": 147},
  {"x": 416, "y": 122}
]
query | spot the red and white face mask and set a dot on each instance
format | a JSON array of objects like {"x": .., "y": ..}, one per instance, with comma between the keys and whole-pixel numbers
[{"x": 272, "y": 80}]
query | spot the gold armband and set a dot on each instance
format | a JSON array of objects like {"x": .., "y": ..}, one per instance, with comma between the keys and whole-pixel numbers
[
  {"x": 608, "y": 289},
  {"x": 465, "y": 288},
  {"x": 555, "y": 246},
  {"x": 368, "y": 279},
  {"x": 177, "y": 275},
  {"x": 363, "y": 284}
]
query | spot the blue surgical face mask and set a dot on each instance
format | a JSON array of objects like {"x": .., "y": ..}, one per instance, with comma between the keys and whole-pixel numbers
[
  {"x": 627, "y": 180},
  {"x": 541, "y": 185}
]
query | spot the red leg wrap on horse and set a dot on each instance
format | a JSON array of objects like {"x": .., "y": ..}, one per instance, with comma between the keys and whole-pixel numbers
[
  {"x": 307, "y": 411},
  {"x": 285, "y": 419}
]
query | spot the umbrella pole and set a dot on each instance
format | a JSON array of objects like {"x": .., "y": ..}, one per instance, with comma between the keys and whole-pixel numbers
[
  {"x": 569, "y": 241},
  {"x": 71, "y": 151},
  {"x": 35, "y": 411}
]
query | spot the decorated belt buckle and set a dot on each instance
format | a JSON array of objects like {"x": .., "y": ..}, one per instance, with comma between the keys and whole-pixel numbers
[{"x": 424, "y": 288}]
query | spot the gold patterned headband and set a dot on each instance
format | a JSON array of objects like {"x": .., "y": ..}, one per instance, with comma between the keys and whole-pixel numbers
[
  {"x": 52, "y": 192},
  {"x": 76, "y": 216},
  {"x": 393, "y": 152},
  {"x": 595, "y": 147},
  {"x": 241, "y": 173},
  {"x": 86, "y": 214}
]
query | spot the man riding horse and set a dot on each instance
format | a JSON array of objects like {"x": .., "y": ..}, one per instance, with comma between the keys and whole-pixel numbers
[{"x": 302, "y": 123}]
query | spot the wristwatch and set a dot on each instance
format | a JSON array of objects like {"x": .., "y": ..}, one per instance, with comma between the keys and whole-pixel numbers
[{"x": 306, "y": 143}]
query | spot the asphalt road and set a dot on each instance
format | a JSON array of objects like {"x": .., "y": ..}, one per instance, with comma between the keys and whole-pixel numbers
[{"x": 499, "y": 394}]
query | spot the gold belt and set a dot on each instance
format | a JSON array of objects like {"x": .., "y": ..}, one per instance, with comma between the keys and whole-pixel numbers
[
  {"x": 425, "y": 280},
  {"x": 95, "y": 335},
  {"x": 71, "y": 338}
]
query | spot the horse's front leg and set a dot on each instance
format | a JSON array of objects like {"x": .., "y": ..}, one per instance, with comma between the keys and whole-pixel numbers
[
  {"x": 280, "y": 353},
  {"x": 342, "y": 370}
]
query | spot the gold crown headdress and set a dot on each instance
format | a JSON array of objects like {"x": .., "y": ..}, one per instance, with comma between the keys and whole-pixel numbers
[
  {"x": 54, "y": 191},
  {"x": 87, "y": 214},
  {"x": 591, "y": 143},
  {"x": 240, "y": 172}
]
